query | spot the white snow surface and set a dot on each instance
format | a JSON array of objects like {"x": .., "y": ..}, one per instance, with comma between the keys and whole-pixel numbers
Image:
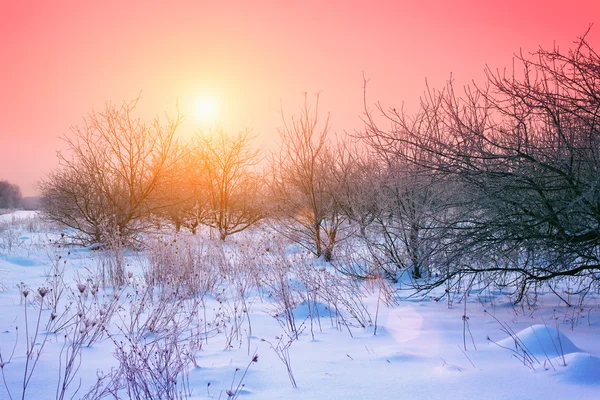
[
  {"x": 418, "y": 351},
  {"x": 17, "y": 215},
  {"x": 541, "y": 341}
]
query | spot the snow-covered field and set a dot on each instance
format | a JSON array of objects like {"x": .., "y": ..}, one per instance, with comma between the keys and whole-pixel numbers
[{"x": 247, "y": 319}]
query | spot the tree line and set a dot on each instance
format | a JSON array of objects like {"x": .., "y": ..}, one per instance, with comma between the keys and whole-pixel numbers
[
  {"x": 10, "y": 195},
  {"x": 499, "y": 181}
]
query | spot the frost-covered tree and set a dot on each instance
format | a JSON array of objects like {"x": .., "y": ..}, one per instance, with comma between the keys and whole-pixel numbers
[
  {"x": 303, "y": 183},
  {"x": 226, "y": 184},
  {"x": 10, "y": 195},
  {"x": 106, "y": 186},
  {"x": 524, "y": 149}
]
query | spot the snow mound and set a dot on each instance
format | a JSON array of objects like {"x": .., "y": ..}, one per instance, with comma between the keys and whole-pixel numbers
[
  {"x": 541, "y": 341},
  {"x": 582, "y": 368},
  {"x": 369, "y": 332},
  {"x": 317, "y": 309}
]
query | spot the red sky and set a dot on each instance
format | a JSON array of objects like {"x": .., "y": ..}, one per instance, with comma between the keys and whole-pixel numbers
[{"x": 60, "y": 60}]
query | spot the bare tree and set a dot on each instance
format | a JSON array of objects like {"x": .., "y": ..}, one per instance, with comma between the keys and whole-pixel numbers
[
  {"x": 525, "y": 154},
  {"x": 302, "y": 180},
  {"x": 10, "y": 195},
  {"x": 409, "y": 211},
  {"x": 354, "y": 175},
  {"x": 175, "y": 195},
  {"x": 106, "y": 185},
  {"x": 71, "y": 197},
  {"x": 227, "y": 185}
]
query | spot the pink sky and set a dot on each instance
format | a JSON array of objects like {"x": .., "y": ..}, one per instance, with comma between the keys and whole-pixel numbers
[{"x": 61, "y": 59}]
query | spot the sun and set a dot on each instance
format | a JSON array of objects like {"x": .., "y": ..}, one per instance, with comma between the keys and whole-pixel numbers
[{"x": 205, "y": 110}]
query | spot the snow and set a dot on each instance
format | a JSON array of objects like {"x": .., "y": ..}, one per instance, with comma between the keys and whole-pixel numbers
[
  {"x": 541, "y": 341},
  {"x": 420, "y": 348},
  {"x": 580, "y": 369},
  {"x": 17, "y": 215}
]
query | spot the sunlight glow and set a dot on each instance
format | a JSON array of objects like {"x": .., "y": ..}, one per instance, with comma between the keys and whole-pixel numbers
[{"x": 205, "y": 110}]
